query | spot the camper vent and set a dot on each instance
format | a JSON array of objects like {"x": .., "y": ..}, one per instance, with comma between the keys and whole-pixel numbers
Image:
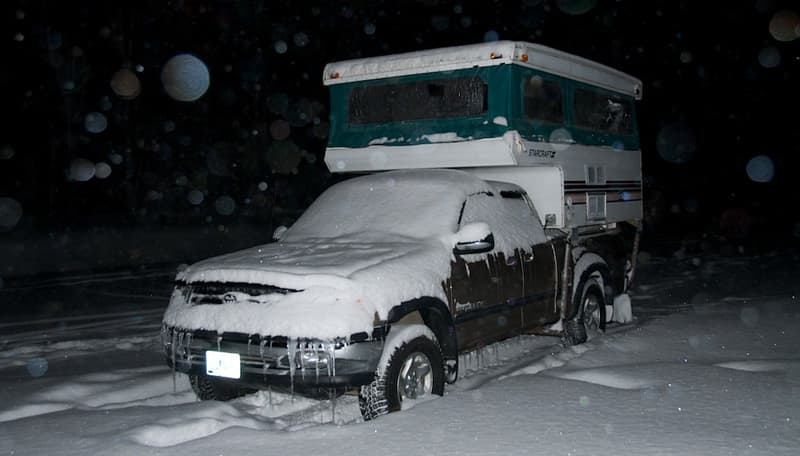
[
  {"x": 595, "y": 206},
  {"x": 595, "y": 175}
]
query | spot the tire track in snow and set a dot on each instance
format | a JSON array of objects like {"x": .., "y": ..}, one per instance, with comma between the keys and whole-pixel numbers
[{"x": 95, "y": 326}]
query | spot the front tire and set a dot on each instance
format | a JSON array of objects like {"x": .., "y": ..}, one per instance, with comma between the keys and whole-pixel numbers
[
  {"x": 414, "y": 371},
  {"x": 208, "y": 389}
]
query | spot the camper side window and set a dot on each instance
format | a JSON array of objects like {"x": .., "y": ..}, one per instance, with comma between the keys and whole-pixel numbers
[
  {"x": 543, "y": 100},
  {"x": 417, "y": 100},
  {"x": 602, "y": 112}
]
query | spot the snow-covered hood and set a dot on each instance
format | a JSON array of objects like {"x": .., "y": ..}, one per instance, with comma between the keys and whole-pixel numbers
[
  {"x": 342, "y": 284},
  {"x": 299, "y": 265}
]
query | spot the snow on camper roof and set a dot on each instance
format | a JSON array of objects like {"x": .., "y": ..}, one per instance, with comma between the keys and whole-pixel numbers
[{"x": 484, "y": 54}]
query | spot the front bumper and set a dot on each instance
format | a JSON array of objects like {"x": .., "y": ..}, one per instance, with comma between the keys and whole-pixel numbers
[{"x": 276, "y": 361}]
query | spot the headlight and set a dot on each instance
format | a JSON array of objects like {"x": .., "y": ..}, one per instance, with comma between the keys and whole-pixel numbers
[
  {"x": 186, "y": 291},
  {"x": 312, "y": 359}
]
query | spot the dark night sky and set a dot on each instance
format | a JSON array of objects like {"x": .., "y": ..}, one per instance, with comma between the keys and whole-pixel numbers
[{"x": 720, "y": 88}]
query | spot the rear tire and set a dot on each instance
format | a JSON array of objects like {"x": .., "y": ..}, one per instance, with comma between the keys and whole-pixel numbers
[
  {"x": 590, "y": 318},
  {"x": 414, "y": 371},
  {"x": 208, "y": 389}
]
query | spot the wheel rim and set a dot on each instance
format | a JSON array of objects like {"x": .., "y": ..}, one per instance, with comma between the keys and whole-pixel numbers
[
  {"x": 591, "y": 311},
  {"x": 415, "y": 379}
]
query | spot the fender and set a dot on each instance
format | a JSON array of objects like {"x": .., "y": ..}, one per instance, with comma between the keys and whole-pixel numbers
[
  {"x": 436, "y": 315},
  {"x": 400, "y": 334},
  {"x": 585, "y": 261}
]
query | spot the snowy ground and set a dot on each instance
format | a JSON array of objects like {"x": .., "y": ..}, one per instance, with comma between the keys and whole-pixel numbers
[{"x": 710, "y": 366}]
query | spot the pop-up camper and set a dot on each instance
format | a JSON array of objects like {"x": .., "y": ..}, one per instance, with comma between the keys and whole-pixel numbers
[{"x": 560, "y": 126}]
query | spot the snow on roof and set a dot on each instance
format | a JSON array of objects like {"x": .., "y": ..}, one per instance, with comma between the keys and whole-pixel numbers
[
  {"x": 418, "y": 203},
  {"x": 493, "y": 53}
]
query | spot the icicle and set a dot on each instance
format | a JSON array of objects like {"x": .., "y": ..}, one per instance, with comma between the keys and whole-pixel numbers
[
  {"x": 302, "y": 360},
  {"x": 316, "y": 369},
  {"x": 269, "y": 393},
  {"x": 330, "y": 348},
  {"x": 332, "y": 393},
  {"x": 180, "y": 338},
  {"x": 219, "y": 340},
  {"x": 327, "y": 349},
  {"x": 173, "y": 341},
  {"x": 290, "y": 348},
  {"x": 264, "y": 365}
]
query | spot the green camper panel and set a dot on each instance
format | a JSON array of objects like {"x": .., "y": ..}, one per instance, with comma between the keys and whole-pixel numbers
[
  {"x": 478, "y": 103},
  {"x": 405, "y": 123}
]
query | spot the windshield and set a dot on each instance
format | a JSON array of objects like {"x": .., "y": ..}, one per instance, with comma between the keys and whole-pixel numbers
[{"x": 419, "y": 204}]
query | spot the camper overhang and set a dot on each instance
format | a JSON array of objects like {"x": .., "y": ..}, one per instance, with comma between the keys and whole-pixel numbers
[{"x": 443, "y": 151}]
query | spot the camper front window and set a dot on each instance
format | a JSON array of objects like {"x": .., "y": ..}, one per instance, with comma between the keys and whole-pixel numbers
[
  {"x": 602, "y": 112},
  {"x": 418, "y": 100}
]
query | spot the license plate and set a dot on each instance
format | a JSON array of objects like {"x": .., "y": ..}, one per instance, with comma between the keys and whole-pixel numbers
[{"x": 221, "y": 364}]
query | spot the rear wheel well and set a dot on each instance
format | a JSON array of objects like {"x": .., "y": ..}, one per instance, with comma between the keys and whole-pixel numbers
[
  {"x": 612, "y": 249},
  {"x": 588, "y": 266}
]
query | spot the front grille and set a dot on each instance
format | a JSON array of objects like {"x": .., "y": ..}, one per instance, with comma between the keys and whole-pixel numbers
[
  {"x": 277, "y": 356},
  {"x": 211, "y": 337},
  {"x": 222, "y": 293},
  {"x": 257, "y": 354}
]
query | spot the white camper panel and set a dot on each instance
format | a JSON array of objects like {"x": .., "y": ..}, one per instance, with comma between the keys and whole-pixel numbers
[
  {"x": 463, "y": 153},
  {"x": 543, "y": 184},
  {"x": 580, "y": 185},
  {"x": 601, "y": 184}
]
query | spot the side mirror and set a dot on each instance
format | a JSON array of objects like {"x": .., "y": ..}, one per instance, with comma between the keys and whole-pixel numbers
[
  {"x": 279, "y": 232},
  {"x": 474, "y": 238},
  {"x": 468, "y": 248}
]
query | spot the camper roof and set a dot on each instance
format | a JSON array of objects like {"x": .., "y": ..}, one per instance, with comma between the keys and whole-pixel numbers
[{"x": 484, "y": 54}]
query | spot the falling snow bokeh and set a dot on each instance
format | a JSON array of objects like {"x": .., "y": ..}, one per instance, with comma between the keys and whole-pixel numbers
[
  {"x": 10, "y": 212},
  {"x": 125, "y": 84},
  {"x": 760, "y": 169},
  {"x": 676, "y": 143},
  {"x": 185, "y": 77},
  {"x": 151, "y": 121}
]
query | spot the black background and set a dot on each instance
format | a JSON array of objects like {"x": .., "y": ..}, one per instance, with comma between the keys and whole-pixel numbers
[{"x": 705, "y": 89}]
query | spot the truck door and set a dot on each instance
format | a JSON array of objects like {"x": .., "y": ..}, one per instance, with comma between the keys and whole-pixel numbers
[
  {"x": 474, "y": 294},
  {"x": 486, "y": 289},
  {"x": 541, "y": 306},
  {"x": 540, "y": 265}
]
